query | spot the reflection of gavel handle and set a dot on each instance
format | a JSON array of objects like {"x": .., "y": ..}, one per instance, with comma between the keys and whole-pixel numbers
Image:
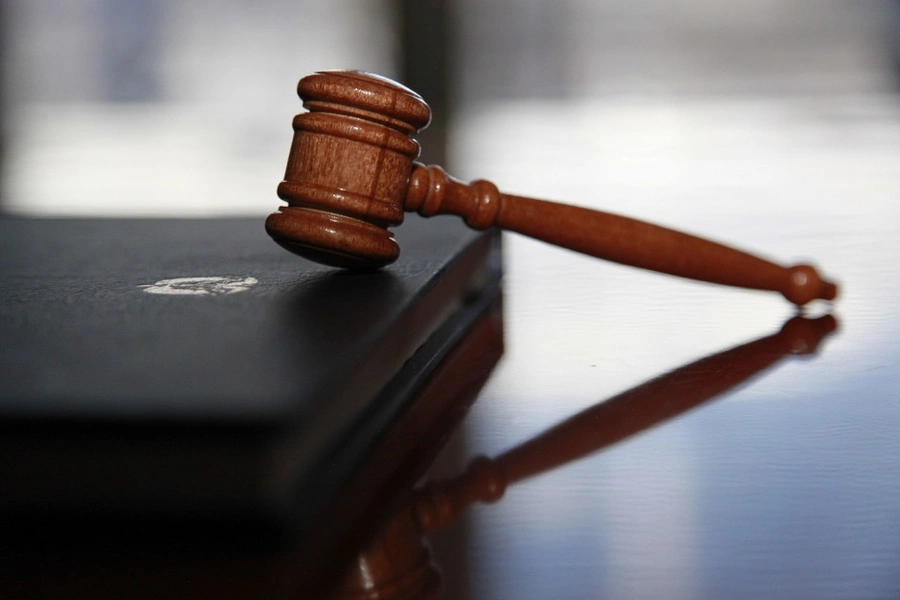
[
  {"x": 610, "y": 237},
  {"x": 350, "y": 175},
  {"x": 616, "y": 419}
]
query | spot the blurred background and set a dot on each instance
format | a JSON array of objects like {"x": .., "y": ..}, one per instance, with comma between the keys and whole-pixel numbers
[
  {"x": 166, "y": 107},
  {"x": 770, "y": 124}
]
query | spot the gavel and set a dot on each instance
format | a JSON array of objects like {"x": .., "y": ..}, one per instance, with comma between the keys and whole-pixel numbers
[{"x": 352, "y": 173}]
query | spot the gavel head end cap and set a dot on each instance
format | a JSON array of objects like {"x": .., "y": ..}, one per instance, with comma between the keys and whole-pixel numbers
[
  {"x": 366, "y": 96},
  {"x": 332, "y": 239}
]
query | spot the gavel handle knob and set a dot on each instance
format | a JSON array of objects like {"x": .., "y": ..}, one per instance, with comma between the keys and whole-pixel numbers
[{"x": 611, "y": 237}]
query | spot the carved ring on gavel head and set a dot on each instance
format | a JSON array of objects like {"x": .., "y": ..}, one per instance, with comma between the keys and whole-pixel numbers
[{"x": 351, "y": 174}]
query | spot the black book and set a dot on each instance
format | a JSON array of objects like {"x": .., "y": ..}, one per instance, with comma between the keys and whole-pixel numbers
[{"x": 193, "y": 367}]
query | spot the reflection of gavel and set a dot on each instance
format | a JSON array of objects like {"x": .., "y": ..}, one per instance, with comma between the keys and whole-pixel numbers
[
  {"x": 397, "y": 564},
  {"x": 350, "y": 175}
]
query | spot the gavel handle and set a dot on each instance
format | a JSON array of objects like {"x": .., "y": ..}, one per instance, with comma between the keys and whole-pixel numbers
[{"x": 608, "y": 236}]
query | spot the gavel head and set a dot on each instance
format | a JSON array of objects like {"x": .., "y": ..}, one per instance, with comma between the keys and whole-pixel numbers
[{"x": 348, "y": 169}]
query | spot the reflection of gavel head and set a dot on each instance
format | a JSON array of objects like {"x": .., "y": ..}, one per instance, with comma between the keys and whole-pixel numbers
[{"x": 351, "y": 174}]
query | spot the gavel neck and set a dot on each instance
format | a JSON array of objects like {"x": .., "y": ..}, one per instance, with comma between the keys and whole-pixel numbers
[{"x": 433, "y": 192}]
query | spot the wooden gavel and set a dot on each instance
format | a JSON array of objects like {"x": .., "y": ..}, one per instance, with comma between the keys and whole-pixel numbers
[{"x": 351, "y": 174}]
